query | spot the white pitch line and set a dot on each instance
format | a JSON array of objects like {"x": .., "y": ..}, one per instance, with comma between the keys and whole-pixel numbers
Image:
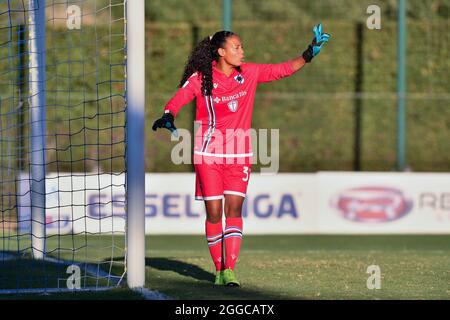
[{"x": 151, "y": 295}]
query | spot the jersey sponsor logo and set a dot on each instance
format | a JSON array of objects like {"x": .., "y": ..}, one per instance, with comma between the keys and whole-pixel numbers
[
  {"x": 233, "y": 105},
  {"x": 216, "y": 100},
  {"x": 239, "y": 78},
  {"x": 234, "y": 96}
]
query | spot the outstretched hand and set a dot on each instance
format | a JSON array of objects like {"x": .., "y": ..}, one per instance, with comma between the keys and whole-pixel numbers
[
  {"x": 166, "y": 121},
  {"x": 317, "y": 43}
]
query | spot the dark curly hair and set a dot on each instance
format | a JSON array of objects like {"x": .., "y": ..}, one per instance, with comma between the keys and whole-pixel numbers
[{"x": 202, "y": 57}]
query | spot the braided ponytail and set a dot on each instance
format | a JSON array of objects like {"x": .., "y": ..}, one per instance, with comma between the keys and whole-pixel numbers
[{"x": 201, "y": 58}]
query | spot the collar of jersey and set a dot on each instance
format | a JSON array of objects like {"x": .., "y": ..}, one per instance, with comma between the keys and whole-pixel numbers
[{"x": 217, "y": 71}]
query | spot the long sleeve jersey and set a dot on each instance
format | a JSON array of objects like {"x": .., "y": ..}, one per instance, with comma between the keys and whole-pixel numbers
[{"x": 224, "y": 118}]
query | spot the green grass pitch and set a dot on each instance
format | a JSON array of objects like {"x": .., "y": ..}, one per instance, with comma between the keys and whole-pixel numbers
[{"x": 295, "y": 267}]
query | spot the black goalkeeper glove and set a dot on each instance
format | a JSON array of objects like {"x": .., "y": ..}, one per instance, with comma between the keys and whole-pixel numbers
[
  {"x": 318, "y": 42},
  {"x": 166, "y": 121}
]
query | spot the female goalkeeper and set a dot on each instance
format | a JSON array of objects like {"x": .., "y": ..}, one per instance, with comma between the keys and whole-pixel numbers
[{"x": 224, "y": 87}]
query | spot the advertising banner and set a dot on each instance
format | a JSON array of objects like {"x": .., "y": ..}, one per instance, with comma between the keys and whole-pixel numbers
[
  {"x": 285, "y": 203},
  {"x": 384, "y": 202}
]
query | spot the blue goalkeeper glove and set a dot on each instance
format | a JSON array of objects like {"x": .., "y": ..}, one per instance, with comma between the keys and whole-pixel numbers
[
  {"x": 166, "y": 121},
  {"x": 318, "y": 42}
]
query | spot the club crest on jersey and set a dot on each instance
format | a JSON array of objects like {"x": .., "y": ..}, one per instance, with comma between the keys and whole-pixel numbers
[
  {"x": 215, "y": 85},
  {"x": 233, "y": 105},
  {"x": 239, "y": 78}
]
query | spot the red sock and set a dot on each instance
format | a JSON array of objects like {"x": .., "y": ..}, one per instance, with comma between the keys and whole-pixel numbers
[
  {"x": 233, "y": 238},
  {"x": 214, "y": 236}
]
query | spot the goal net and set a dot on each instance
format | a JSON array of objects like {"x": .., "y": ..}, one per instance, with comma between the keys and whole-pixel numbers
[{"x": 63, "y": 142}]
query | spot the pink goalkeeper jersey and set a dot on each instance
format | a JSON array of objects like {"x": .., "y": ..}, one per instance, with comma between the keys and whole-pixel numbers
[{"x": 225, "y": 117}]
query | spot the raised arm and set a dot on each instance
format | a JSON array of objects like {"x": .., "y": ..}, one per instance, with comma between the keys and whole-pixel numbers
[{"x": 271, "y": 72}]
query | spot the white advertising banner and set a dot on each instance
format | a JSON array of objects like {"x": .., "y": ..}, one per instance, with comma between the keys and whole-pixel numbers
[
  {"x": 77, "y": 203},
  {"x": 326, "y": 202},
  {"x": 384, "y": 202},
  {"x": 274, "y": 204}
]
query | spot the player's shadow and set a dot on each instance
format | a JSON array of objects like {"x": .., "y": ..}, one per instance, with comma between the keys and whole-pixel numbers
[
  {"x": 205, "y": 282},
  {"x": 182, "y": 268}
]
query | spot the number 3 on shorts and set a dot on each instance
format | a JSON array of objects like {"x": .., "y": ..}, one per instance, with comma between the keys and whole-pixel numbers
[{"x": 246, "y": 173}]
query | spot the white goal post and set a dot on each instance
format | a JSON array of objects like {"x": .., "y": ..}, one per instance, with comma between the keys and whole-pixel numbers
[{"x": 135, "y": 95}]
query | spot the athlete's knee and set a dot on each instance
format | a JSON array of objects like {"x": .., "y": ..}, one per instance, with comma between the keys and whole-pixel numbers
[
  {"x": 214, "y": 217},
  {"x": 233, "y": 210},
  {"x": 213, "y": 210},
  {"x": 233, "y": 206}
]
